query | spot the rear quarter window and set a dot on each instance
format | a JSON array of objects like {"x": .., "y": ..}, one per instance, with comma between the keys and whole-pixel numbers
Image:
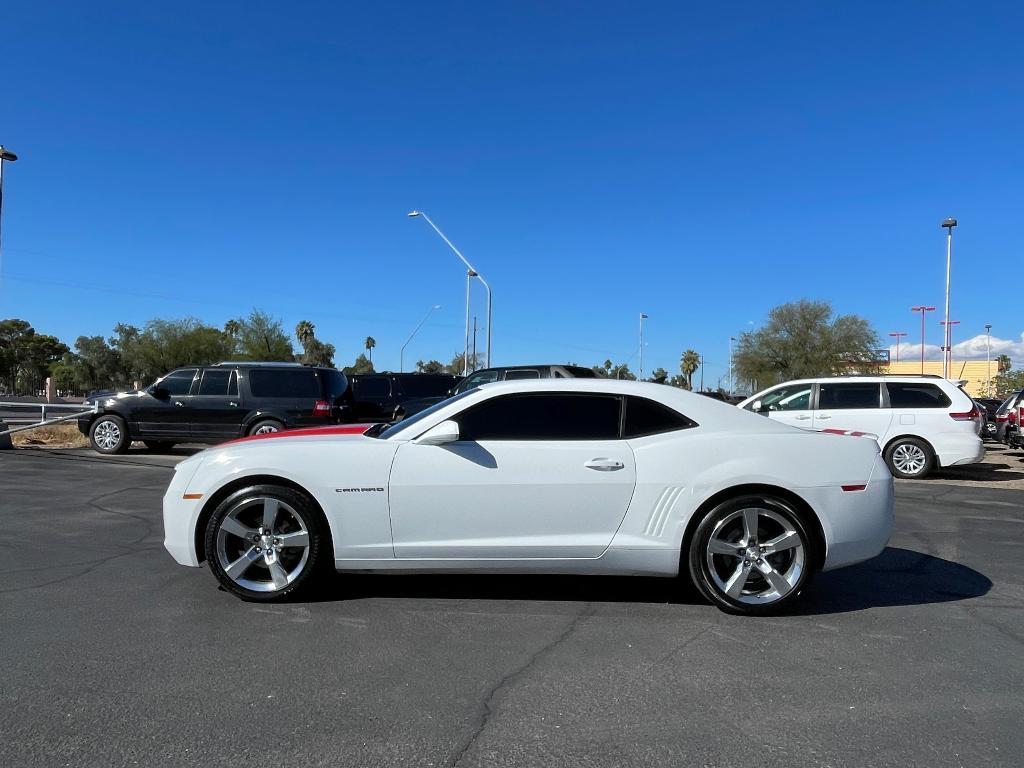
[
  {"x": 284, "y": 383},
  {"x": 646, "y": 417},
  {"x": 916, "y": 396}
]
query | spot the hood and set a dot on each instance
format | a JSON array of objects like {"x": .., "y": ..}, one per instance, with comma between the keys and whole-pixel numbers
[{"x": 291, "y": 434}]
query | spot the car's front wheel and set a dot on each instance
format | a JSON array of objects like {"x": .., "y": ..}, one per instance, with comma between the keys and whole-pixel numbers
[
  {"x": 909, "y": 458},
  {"x": 266, "y": 427},
  {"x": 266, "y": 542},
  {"x": 751, "y": 555},
  {"x": 109, "y": 435}
]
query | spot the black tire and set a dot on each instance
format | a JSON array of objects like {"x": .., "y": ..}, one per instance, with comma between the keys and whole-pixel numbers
[
  {"x": 265, "y": 426},
  {"x": 909, "y": 458},
  {"x": 256, "y": 582},
  {"x": 158, "y": 446},
  {"x": 108, "y": 434},
  {"x": 757, "y": 594}
]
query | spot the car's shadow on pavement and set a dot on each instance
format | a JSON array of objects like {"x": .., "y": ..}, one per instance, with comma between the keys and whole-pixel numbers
[{"x": 896, "y": 577}]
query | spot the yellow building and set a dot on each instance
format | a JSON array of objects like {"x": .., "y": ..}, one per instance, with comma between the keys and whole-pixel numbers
[{"x": 974, "y": 371}]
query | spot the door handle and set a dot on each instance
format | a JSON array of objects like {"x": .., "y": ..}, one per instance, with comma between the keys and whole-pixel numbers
[
  {"x": 179, "y": 404},
  {"x": 233, "y": 405},
  {"x": 824, "y": 416},
  {"x": 802, "y": 418},
  {"x": 604, "y": 465}
]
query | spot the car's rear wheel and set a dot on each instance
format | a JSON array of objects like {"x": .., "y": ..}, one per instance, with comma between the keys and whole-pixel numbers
[
  {"x": 158, "y": 446},
  {"x": 909, "y": 458},
  {"x": 266, "y": 427},
  {"x": 751, "y": 555},
  {"x": 266, "y": 543},
  {"x": 109, "y": 435}
]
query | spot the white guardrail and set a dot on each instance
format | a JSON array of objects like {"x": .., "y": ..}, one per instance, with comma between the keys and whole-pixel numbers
[{"x": 10, "y": 413}]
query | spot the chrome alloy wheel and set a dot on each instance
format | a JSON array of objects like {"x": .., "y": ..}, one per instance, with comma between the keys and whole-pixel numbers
[
  {"x": 908, "y": 458},
  {"x": 265, "y": 429},
  {"x": 755, "y": 556},
  {"x": 262, "y": 544},
  {"x": 107, "y": 435}
]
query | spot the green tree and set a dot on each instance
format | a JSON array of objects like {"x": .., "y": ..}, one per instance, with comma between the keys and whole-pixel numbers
[
  {"x": 659, "y": 375},
  {"x": 26, "y": 356},
  {"x": 431, "y": 366},
  {"x": 261, "y": 337},
  {"x": 688, "y": 364},
  {"x": 803, "y": 339},
  {"x": 1008, "y": 381},
  {"x": 97, "y": 364},
  {"x": 1003, "y": 363},
  {"x": 455, "y": 366},
  {"x": 361, "y": 365},
  {"x": 314, "y": 351},
  {"x": 125, "y": 343},
  {"x": 370, "y": 343},
  {"x": 167, "y": 344}
]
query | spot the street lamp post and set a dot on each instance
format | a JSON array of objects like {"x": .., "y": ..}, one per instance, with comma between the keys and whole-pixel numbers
[
  {"x": 947, "y": 356},
  {"x": 415, "y": 214},
  {"x": 988, "y": 359},
  {"x": 642, "y": 318},
  {"x": 10, "y": 157},
  {"x": 401, "y": 354},
  {"x": 898, "y": 335},
  {"x": 922, "y": 309},
  {"x": 948, "y": 329}
]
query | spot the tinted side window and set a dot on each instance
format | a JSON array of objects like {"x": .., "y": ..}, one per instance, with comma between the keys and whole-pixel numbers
[
  {"x": 522, "y": 373},
  {"x": 542, "y": 417},
  {"x": 215, "y": 381},
  {"x": 179, "y": 382},
  {"x": 372, "y": 388},
  {"x": 336, "y": 383},
  {"x": 266, "y": 382},
  {"x": 425, "y": 386},
  {"x": 848, "y": 395},
  {"x": 916, "y": 396},
  {"x": 646, "y": 417},
  {"x": 474, "y": 381},
  {"x": 792, "y": 397}
]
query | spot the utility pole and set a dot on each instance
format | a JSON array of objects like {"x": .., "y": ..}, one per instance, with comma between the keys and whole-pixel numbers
[
  {"x": 988, "y": 359},
  {"x": 947, "y": 356},
  {"x": 898, "y": 335},
  {"x": 922, "y": 309},
  {"x": 642, "y": 318}
]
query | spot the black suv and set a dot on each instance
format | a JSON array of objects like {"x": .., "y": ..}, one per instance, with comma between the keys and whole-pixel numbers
[
  {"x": 378, "y": 396},
  {"x": 214, "y": 403},
  {"x": 504, "y": 373}
]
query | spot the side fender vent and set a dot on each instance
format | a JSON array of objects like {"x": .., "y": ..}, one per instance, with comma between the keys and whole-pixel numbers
[{"x": 662, "y": 507}]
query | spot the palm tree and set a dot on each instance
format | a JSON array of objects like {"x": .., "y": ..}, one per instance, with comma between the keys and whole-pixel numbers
[
  {"x": 232, "y": 327},
  {"x": 305, "y": 331},
  {"x": 370, "y": 343},
  {"x": 688, "y": 364}
]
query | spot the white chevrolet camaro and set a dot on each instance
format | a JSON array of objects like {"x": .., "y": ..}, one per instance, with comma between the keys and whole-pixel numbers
[{"x": 554, "y": 476}]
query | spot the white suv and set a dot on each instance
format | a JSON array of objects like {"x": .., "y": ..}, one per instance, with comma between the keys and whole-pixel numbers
[{"x": 920, "y": 421}]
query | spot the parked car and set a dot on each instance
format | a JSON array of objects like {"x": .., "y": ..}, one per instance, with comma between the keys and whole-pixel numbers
[
  {"x": 556, "y": 476},
  {"x": 377, "y": 396},
  {"x": 1015, "y": 427},
  {"x": 491, "y": 375},
  {"x": 920, "y": 422},
  {"x": 210, "y": 404},
  {"x": 989, "y": 406},
  {"x": 1003, "y": 414}
]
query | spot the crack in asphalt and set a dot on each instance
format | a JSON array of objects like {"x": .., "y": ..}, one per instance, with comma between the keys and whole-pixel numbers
[{"x": 486, "y": 711}]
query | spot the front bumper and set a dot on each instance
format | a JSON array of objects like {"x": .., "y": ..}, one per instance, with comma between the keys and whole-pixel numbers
[{"x": 181, "y": 516}]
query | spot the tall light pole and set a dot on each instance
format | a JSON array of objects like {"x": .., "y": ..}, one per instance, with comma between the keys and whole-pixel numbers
[
  {"x": 415, "y": 214},
  {"x": 988, "y": 359},
  {"x": 10, "y": 157},
  {"x": 948, "y": 329},
  {"x": 401, "y": 354},
  {"x": 947, "y": 356},
  {"x": 731, "y": 340},
  {"x": 642, "y": 318},
  {"x": 922, "y": 309},
  {"x": 898, "y": 335}
]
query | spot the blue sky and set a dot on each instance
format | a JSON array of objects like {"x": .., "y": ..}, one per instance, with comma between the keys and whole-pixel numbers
[{"x": 700, "y": 163}]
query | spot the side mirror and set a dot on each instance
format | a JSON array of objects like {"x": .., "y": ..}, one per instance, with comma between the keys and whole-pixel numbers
[
  {"x": 440, "y": 434},
  {"x": 758, "y": 407}
]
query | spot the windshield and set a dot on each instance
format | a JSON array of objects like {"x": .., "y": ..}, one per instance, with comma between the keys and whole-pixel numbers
[{"x": 398, "y": 426}]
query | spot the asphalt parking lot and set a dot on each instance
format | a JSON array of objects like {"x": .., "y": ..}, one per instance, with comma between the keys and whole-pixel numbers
[{"x": 114, "y": 655}]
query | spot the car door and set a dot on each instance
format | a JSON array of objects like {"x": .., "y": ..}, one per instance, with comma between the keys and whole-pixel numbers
[
  {"x": 164, "y": 409},
  {"x": 852, "y": 405},
  {"x": 216, "y": 407},
  {"x": 789, "y": 403},
  {"x": 534, "y": 475},
  {"x": 372, "y": 398}
]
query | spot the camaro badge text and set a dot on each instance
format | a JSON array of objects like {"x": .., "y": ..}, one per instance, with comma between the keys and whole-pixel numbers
[{"x": 359, "y": 490}]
